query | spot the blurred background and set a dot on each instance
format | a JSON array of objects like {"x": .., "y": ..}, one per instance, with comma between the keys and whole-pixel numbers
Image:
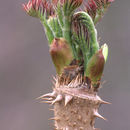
[{"x": 26, "y": 69}]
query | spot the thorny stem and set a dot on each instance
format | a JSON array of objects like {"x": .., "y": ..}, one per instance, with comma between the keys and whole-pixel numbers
[{"x": 77, "y": 56}]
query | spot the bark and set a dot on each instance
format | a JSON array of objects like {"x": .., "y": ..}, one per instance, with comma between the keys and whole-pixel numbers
[{"x": 76, "y": 104}]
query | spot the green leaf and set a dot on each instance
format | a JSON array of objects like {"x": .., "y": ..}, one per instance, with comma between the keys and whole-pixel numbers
[
  {"x": 49, "y": 32},
  {"x": 105, "y": 51},
  {"x": 55, "y": 27},
  {"x": 85, "y": 34}
]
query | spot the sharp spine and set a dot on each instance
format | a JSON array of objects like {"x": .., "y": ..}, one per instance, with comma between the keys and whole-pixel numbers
[
  {"x": 51, "y": 109},
  {"x": 54, "y": 118},
  {"x": 96, "y": 114},
  {"x": 47, "y": 99},
  {"x": 104, "y": 102},
  {"x": 54, "y": 78},
  {"x": 51, "y": 95},
  {"x": 58, "y": 98},
  {"x": 68, "y": 98},
  {"x": 97, "y": 129},
  {"x": 49, "y": 102}
]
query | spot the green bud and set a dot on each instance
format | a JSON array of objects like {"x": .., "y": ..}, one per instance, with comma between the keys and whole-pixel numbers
[{"x": 95, "y": 66}]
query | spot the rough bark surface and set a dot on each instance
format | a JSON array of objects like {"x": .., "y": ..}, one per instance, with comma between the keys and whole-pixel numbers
[
  {"x": 78, "y": 114},
  {"x": 76, "y": 104}
]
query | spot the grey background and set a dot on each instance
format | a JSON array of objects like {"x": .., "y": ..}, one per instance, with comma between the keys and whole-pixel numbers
[{"x": 26, "y": 69}]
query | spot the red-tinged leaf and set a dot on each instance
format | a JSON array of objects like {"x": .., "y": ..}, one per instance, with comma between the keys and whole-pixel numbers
[
  {"x": 34, "y": 6},
  {"x": 97, "y": 8}
]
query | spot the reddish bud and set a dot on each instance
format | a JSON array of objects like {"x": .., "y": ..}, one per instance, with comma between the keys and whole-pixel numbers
[
  {"x": 92, "y": 5},
  {"x": 48, "y": 8},
  {"x": 61, "y": 54},
  {"x": 34, "y": 6},
  {"x": 97, "y": 8}
]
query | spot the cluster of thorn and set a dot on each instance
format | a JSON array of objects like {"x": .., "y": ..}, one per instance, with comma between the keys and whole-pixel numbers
[
  {"x": 94, "y": 7},
  {"x": 68, "y": 92},
  {"x": 69, "y": 96},
  {"x": 42, "y": 6},
  {"x": 76, "y": 82},
  {"x": 56, "y": 97}
]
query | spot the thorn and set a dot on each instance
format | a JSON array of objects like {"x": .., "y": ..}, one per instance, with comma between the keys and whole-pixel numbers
[
  {"x": 54, "y": 78},
  {"x": 67, "y": 79},
  {"x": 76, "y": 80},
  {"x": 73, "y": 81},
  {"x": 97, "y": 129},
  {"x": 51, "y": 109},
  {"x": 53, "y": 94},
  {"x": 96, "y": 114},
  {"x": 104, "y": 102},
  {"x": 80, "y": 79},
  {"x": 104, "y": 82},
  {"x": 49, "y": 102},
  {"x": 68, "y": 98},
  {"x": 48, "y": 99},
  {"x": 70, "y": 84},
  {"x": 58, "y": 98},
  {"x": 54, "y": 118},
  {"x": 53, "y": 82}
]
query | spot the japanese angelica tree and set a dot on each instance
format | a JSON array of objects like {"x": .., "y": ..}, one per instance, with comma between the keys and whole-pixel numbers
[{"x": 78, "y": 58}]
